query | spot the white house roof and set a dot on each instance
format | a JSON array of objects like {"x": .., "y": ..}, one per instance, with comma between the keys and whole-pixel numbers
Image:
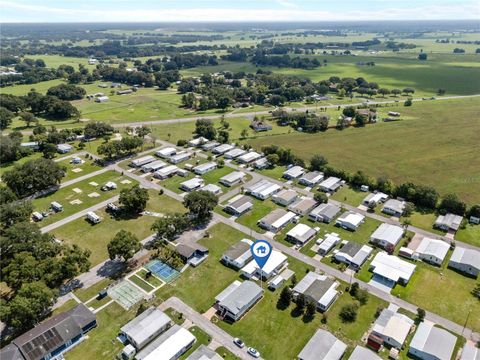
[
  {"x": 264, "y": 188},
  {"x": 329, "y": 241},
  {"x": 388, "y": 233},
  {"x": 331, "y": 183},
  {"x": 312, "y": 177},
  {"x": 294, "y": 172},
  {"x": 391, "y": 324},
  {"x": 205, "y": 167},
  {"x": 286, "y": 194},
  {"x": 145, "y": 325},
  {"x": 301, "y": 232},
  {"x": 323, "y": 346},
  {"x": 350, "y": 217},
  {"x": 234, "y": 153},
  {"x": 192, "y": 183},
  {"x": 239, "y": 296},
  {"x": 166, "y": 152},
  {"x": 434, "y": 341},
  {"x": 320, "y": 287},
  {"x": 433, "y": 247},
  {"x": 275, "y": 260},
  {"x": 395, "y": 205},
  {"x": 167, "y": 170},
  {"x": 167, "y": 345},
  {"x": 328, "y": 210},
  {"x": 451, "y": 220},
  {"x": 249, "y": 157},
  {"x": 392, "y": 267},
  {"x": 470, "y": 352},
  {"x": 233, "y": 177},
  {"x": 212, "y": 188},
  {"x": 469, "y": 257},
  {"x": 375, "y": 197},
  {"x": 220, "y": 149},
  {"x": 240, "y": 203},
  {"x": 361, "y": 353}
]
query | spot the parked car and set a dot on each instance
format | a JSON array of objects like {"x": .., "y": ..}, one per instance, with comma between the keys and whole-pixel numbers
[
  {"x": 253, "y": 352},
  {"x": 239, "y": 343}
]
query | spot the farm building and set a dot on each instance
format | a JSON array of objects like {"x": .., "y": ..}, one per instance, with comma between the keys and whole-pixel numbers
[
  {"x": 328, "y": 242},
  {"x": 192, "y": 184},
  {"x": 180, "y": 157},
  {"x": 170, "y": 345},
  {"x": 361, "y": 353},
  {"x": 432, "y": 251},
  {"x": 214, "y": 189},
  {"x": 197, "y": 141},
  {"x": 430, "y": 342},
  {"x": 466, "y": 261},
  {"x": 375, "y": 198},
  {"x": 52, "y": 337},
  {"x": 233, "y": 178},
  {"x": 301, "y": 234},
  {"x": 448, "y": 222},
  {"x": 142, "y": 161},
  {"x": 222, "y": 149},
  {"x": 166, "y": 152},
  {"x": 238, "y": 254},
  {"x": 285, "y": 197},
  {"x": 394, "y": 207},
  {"x": 274, "y": 265},
  {"x": 237, "y": 299},
  {"x": 387, "y": 236},
  {"x": 64, "y": 148},
  {"x": 302, "y": 206},
  {"x": 293, "y": 172},
  {"x": 234, "y": 153},
  {"x": 331, "y": 184},
  {"x": 392, "y": 327},
  {"x": 323, "y": 346},
  {"x": 324, "y": 213},
  {"x": 276, "y": 220},
  {"x": 204, "y": 168},
  {"x": 263, "y": 189},
  {"x": 248, "y": 157},
  {"x": 353, "y": 254},
  {"x": 350, "y": 220},
  {"x": 124, "y": 92},
  {"x": 166, "y": 172},
  {"x": 320, "y": 289},
  {"x": 145, "y": 327},
  {"x": 238, "y": 205},
  {"x": 391, "y": 269},
  {"x": 311, "y": 178}
]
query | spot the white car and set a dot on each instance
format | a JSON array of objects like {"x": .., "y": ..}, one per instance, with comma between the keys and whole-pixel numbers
[
  {"x": 239, "y": 343},
  {"x": 253, "y": 352}
]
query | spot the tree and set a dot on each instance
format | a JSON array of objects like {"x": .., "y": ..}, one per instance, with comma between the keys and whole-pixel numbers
[
  {"x": 15, "y": 212},
  {"x": 223, "y": 136},
  {"x": 67, "y": 92},
  {"x": 349, "y": 111},
  {"x": 320, "y": 197},
  {"x": 6, "y": 117},
  {"x": 33, "y": 176},
  {"x": 422, "y": 56},
  {"x": 134, "y": 200},
  {"x": 360, "y": 119},
  {"x": 200, "y": 204},
  {"x": 143, "y": 131},
  {"x": 28, "y": 117},
  {"x": 474, "y": 211},
  {"x": 29, "y": 305},
  {"x": 285, "y": 298},
  {"x": 362, "y": 296},
  {"x": 452, "y": 204},
  {"x": 49, "y": 150},
  {"x": 301, "y": 302},
  {"x": 311, "y": 310},
  {"x": 170, "y": 226},
  {"x": 123, "y": 245},
  {"x": 420, "y": 314},
  {"x": 348, "y": 313},
  {"x": 408, "y": 102},
  {"x": 244, "y": 134},
  {"x": 354, "y": 288},
  {"x": 205, "y": 128},
  {"x": 224, "y": 103},
  {"x": 409, "y": 209},
  {"x": 293, "y": 280},
  {"x": 396, "y": 92},
  {"x": 273, "y": 159},
  {"x": 6, "y": 195},
  {"x": 383, "y": 91},
  {"x": 476, "y": 291},
  {"x": 318, "y": 162}
]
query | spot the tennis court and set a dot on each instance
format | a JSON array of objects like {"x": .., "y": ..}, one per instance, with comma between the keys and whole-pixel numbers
[
  {"x": 125, "y": 294},
  {"x": 162, "y": 270}
]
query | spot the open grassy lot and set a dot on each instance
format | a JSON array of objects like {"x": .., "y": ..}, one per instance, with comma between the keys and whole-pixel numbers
[
  {"x": 259, "y": 210},
  {"x": 66, "y": 195},
  {"x": 96, "y": 237},
  {"x": 225, "y": 353},
  {"x": 349, "y": 196},
  {"x": 455, "y": 301},
  {"x": 424, "y": 220},
  {"x": 435, "y": 145},
  {"x": 87, "y": 293},
  {"x": 73, "y": 169},
  {"x": 470, "y": 234},
  {"x": 141, "y": 283}
]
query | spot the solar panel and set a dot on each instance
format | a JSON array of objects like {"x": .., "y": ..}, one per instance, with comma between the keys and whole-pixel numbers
[{"x": 42, "y": 344}]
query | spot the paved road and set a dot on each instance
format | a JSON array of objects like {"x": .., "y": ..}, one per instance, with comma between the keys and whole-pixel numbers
[{"x": 213, "y": 330}]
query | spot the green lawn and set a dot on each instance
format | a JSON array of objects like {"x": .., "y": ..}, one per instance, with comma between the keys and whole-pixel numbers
[
  {"x": 85, "y": 294},
  {"x": 424, "y": 220},
  {"x": 225, "y": 353},
  {"x": 66, "y": 195},
  {"x": 434, "y": 145},
  {"x": 349, "y": 196},
  {"x": 141, "y": 283},
  {"x": 152, "y": 280},
  {"x": 177, "y": 317},
  {"x": 96, "y": 237},
  {"x": 455, "y": 301},
  {"x": 470, "y": 234},
  {"x": 86, "y": 168},
  {"x": 260, "y": 209}
]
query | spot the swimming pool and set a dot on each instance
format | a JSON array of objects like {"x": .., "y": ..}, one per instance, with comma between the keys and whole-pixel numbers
[{"x": 162, "y": 270}]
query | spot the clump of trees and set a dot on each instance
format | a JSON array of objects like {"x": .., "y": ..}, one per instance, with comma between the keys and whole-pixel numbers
[
  {"x": 205, "y": 128},
  {"x": 133, "y": 200},
  {"x": 67, "y": 92},
  {"x": 308, "y": 122},
  {"x": 125, "y": 146},
  {"x": 200, "y": 205},
  {"x": 123, "y": 246}
]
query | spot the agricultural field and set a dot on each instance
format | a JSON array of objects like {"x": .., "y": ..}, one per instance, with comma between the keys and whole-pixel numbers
[{"x": 448, "y": 126}]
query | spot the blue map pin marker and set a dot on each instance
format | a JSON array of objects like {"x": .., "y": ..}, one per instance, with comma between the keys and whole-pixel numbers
[{"x": 261, "y": 251}]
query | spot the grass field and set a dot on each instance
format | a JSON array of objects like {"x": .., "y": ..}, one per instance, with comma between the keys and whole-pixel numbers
[
  {"x": 470, "y": 234},
  {"x": 349, "y": 196},
  {"x": 86, "y": 168},
  {"x": 435, "y": 146},
  {"x": 259, "y": 210}
]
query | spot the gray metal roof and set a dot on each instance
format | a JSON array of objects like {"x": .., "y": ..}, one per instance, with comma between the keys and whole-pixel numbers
[
  {"x": 204, "y": 353},
  {"x": 396, "y": 205},
  {"x": 469, "y": 257},
  {"x": 469, "y": 352},
  {"x": 351, "y": 248},
  {"x": 434, "y": 341},
  {"x": 361, "y": 353},
  {"x": 241, "y": 296},
  {"x": 144, "y": 325},
  {"x": 237, "y": 249},
  {"x": 388, "y": 233},
  {"x": 323, "y": 346},
  {"x": 273, "y": 216},
  {"x": 326, "y": 210}
]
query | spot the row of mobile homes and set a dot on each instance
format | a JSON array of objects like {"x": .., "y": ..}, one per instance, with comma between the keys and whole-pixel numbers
[
  {"x": 263, "y": 189},
  {"x": 142, "y": 161},
  {"x": 233, "y": 178},
  {"x": 166, "y": 172},
  {"x": 311, "y": 179}
]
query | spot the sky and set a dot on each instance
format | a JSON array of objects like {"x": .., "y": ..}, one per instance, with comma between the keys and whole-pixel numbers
[{"x": 230, "y": 10}]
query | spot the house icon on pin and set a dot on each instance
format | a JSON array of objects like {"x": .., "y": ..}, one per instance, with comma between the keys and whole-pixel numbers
[{"x": 261, "y": 250}]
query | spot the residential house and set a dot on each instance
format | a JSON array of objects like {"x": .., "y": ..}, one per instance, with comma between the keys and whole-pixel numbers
[
  {"x": 353, "y": 254},
  {"x": 180, "y": 157},
  {"x": 350, "y": 220},
  {"x": 328, "y": 242},
  {"x": 276, "y": 220},
  {"x": 193, "y": 254},
  {"x": 233, "y": 302},
  {"x": 302, "y": 206},
  {"x": 192, "y": 184},
  {"x": 52, "y": 337},
  {"x": 387, "y": 236},
  {"x": 470, "y": 352},
  {"x": 210, "y": 145},
  {"x": 142, "y": 161},
  {"x": 222, "y": 149},
  {"x": 146, "y": 327},
  {"x": 432, "y": 251},
  {"x": 197, "y": 141},
  {"x": 233, "y": 178},
  {"x": 361, "y": 353},
  {"x": 432, "y": 343},
  {"x": 301, "y": 234},
  {"x": 238, "y": 254},
  {"x": 285, "y": 197},
  {"x": 204, "y": 353},
  {"x": 102, "y": 99},
  {"x": 166, "y": 152},
  {"x": 153, "y": 166},
  {"x": 375, "y": 198},
  {"x": 263, "y": 189},
  {"x": 324, "y": 213},
  {"x": 166, "y": 172},
  {"x": 261, "y": 163},
  {"x": 238, "y": 205},
  {"x": 394, "y": 207},
  {"x": 248, "y": 157},
  {"x": 204, "y": 168},
  {"x": 466, "y": 261},
  {"x": 390, "y": 270},
  {"x": 170, "y": 345},
  {"x": 234, "y": 153},
  {"x": 214, "y": 189},
  {"x": 30, "y": 145},
  {"x": 293, "y": 172},
  {"x": 311, "y": 179},
  {"x": 331, "y": 184},
  {"x": 320, "y": 289},
  {"x": 64, "y": 148},
  {"x": 323, "y": 346},
  {"x": 448, "y": 222},
  {"x": 391, "y": 327},
  {"x": 274, "y": 265}
]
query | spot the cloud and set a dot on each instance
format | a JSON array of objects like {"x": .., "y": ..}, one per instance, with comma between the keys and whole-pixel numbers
[{"x": 18, "y": 12}]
